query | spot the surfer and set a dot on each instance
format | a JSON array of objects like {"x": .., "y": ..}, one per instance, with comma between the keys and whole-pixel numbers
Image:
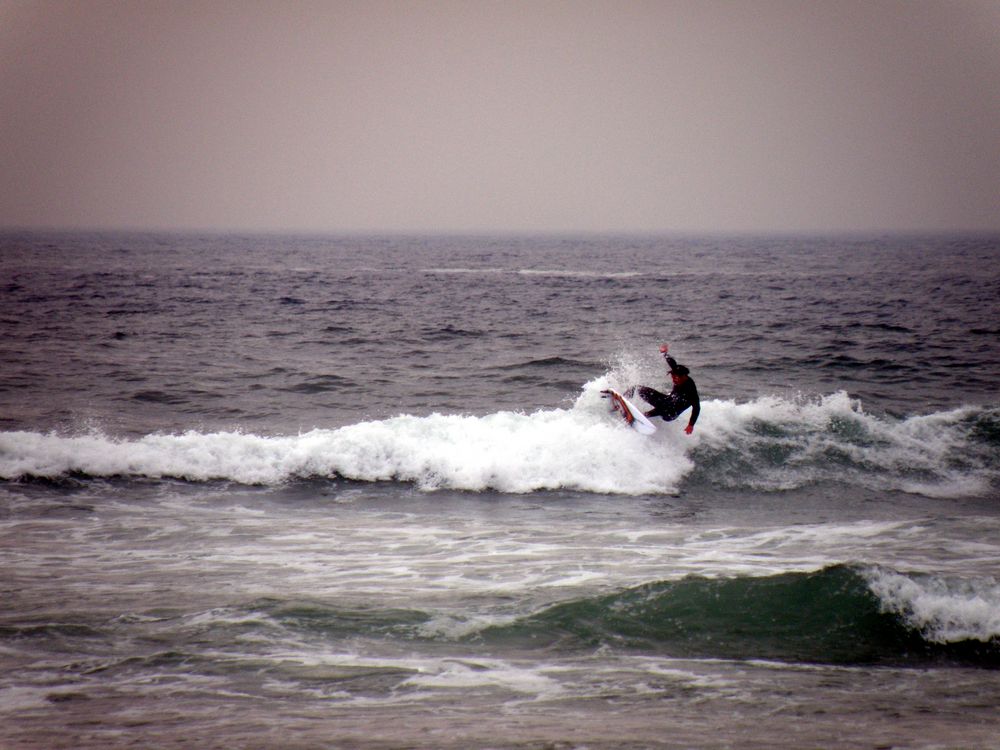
[{"x": 670, "y": 406}]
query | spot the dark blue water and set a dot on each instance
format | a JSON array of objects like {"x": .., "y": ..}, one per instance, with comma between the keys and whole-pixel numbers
[{"x": 363, "y": 491}]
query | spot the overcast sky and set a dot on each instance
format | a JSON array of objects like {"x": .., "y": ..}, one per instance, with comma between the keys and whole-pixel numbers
[{"x": 679, "y": 115}]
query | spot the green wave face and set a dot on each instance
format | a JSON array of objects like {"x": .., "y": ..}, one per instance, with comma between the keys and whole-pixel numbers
[{"x": 830, "y": 616}]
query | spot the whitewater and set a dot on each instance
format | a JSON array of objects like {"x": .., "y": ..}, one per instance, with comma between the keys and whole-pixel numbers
[
  {"x": 364, "y": 492},
  {"x": 578, "y": 448}
]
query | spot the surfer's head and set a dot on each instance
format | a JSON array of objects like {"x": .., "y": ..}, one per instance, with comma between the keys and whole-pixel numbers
[{"x": 679, "y": 374}]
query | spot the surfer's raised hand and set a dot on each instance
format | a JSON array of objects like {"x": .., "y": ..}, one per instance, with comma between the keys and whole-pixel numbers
[{"x": 664, "y": 348}]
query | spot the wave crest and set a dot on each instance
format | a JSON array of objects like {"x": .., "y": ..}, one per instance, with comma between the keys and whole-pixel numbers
[
  {"x": 769, "y": 444},
  {"x": 776, "y": 444},
  {"x": 842, "y": 614}
]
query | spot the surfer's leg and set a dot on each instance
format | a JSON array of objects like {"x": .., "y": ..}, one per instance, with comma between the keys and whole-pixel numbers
[
  {"x": 666, "y": 416},
  {"x": 650, "y": 395},
  {"x": 664, "y": 406}
]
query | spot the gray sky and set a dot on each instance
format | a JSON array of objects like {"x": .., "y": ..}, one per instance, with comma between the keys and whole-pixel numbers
[{"x": 680, "y": 115}]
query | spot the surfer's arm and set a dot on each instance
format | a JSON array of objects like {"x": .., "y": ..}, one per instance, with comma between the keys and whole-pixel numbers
[
  {"x": 664, "y": 349},
  {"x": 692, "y": 397},
  {"x": 695, "y": 411}
]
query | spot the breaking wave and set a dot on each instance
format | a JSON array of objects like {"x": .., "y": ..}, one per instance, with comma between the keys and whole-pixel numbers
[
  {"x": 842, "y": 614},
  {"x": 768, "y": 444}
]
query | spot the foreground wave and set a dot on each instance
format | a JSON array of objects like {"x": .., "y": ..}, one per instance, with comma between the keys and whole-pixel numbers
[
  {"x": 842, "y": 614},
  {"x": 767, "y": 444}
]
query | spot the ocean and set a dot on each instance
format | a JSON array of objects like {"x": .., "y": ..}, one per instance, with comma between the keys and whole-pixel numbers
[{"x": 362, "y": 492}]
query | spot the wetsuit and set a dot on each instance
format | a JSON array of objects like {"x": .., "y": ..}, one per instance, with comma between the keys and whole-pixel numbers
[{"x": 669, "y": 406}]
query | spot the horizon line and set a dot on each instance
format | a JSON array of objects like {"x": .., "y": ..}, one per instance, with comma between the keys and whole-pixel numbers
[{"x": 502, "y": 232}]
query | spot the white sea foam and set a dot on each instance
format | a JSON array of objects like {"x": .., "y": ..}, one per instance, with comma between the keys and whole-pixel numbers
[
  {"x": 461, "y": 270},
  {"x": 454, "y": 674},
  {"x": 944, "y": 609},
  {"x": 787, "y": 443},
  {"x": 17, "y": 699},
  {"x": 769, "y": 444},
  {"x": 579, "y": 274},
  {"x": 581, "y": 448}
]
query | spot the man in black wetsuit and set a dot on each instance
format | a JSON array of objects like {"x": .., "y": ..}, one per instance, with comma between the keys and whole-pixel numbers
[{"x": 669, "y": 406}]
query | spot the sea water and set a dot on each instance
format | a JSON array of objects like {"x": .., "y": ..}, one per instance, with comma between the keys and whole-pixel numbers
[{"x": 304, "y": 492}]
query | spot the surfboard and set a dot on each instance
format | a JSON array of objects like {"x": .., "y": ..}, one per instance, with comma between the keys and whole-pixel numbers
[{"x": 629, "y": 412}]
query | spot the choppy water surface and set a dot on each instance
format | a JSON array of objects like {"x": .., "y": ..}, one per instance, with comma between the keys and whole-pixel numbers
[{"x": 363, "y": 492}]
